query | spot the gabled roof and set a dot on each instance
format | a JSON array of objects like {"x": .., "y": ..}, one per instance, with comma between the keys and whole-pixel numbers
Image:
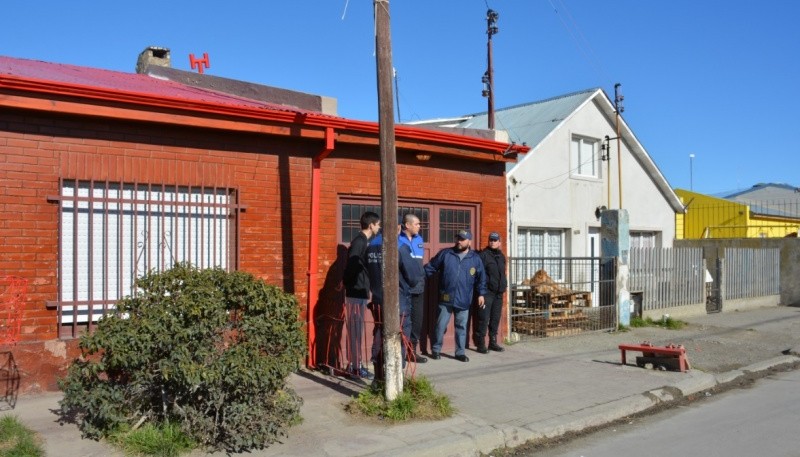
[
  {"x": 69, "y": 89},
  {"x": 532, "y": 123},
  {"x": 767, "y": 191},
  {"x": 770, "y": 199}
]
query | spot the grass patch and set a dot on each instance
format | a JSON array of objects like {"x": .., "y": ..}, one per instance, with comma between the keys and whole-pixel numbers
[
  {"x": 165, "y": 440},
  {"x": 17, "y": 440},
  {"x": 419, "y": 400},
  {"x": 667, "y": 323}
]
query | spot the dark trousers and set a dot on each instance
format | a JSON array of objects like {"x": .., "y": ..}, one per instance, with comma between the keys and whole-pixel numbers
[
  {"x": 417, "y": 314},
  {"x": 488, "y": 318}
]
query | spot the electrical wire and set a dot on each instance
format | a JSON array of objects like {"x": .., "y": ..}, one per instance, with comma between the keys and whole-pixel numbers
[
  {"x": 585, "y": 48},
  {"x": 566, "y": 175}
]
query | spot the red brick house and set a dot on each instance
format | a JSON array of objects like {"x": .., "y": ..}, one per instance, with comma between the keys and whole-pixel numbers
[{"x": 105, "y": 175}]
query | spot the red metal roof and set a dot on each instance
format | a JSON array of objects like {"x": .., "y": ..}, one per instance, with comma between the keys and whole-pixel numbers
[
  {"x": 34, "y": 76},
  {"x": 124, "y": 82}
]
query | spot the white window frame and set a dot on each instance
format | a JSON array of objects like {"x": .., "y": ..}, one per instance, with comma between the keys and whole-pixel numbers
[
  {"x": 584, "y": 156},
  {"x": 644, "y": 239},
  {"x": 551, "y": 243}
]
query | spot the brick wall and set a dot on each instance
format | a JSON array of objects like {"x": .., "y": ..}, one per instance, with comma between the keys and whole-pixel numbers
[{"x": 272, "y": 177}]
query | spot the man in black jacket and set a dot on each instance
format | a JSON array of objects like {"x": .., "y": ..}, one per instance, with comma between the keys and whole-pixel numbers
[
  {"x": 357, "y": 291},
  {"x": 494, "y": 262}
]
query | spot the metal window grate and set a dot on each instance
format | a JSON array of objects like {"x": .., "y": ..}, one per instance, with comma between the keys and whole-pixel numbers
[{"x": 112, "y": 233}]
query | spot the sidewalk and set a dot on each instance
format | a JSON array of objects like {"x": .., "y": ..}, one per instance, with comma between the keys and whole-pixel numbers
[{"x": 535, "y": 389}]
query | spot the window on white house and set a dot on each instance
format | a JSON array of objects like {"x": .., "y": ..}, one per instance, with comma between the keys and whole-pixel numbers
[
  {"x": 644, "y": 239},
  {"x": 540, "y": 249},
  {"x": 113, "y": 233},
  {"x": 585, "y": 157}
]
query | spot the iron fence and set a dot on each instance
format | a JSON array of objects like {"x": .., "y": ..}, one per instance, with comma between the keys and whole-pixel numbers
[{"x": 559, "y": 296}]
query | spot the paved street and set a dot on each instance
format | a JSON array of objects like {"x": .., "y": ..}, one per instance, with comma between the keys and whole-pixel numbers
[{"x": 760, "y": 421}]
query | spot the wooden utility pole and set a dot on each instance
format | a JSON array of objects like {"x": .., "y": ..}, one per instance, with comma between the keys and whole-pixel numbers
[
  {"x": 392, "y": 340},
  {"x": 618, "y": 109},
  {"x": 488, "y": 77}
]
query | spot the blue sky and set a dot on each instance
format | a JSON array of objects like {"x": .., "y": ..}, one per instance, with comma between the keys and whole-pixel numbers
[{"x": 716, "y": 78}]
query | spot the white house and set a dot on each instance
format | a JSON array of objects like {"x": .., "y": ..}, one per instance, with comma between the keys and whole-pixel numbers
[{"x": 556, "y": 190}]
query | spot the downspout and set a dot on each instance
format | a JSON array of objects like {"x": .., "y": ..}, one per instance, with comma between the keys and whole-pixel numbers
[{"x": 313, "y": 253}]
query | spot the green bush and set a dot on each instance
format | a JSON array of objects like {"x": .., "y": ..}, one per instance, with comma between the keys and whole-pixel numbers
[{"x": 206, "y": 349}]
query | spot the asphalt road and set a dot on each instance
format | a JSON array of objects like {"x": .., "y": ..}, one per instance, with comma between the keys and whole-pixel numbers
[{"x": 763, "y": 420}]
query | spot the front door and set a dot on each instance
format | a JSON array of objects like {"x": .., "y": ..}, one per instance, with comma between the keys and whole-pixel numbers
[{"x": 593, "y": 251}]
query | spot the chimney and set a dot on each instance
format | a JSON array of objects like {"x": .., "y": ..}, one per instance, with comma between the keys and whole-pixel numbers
[{"x": 153, "y": 55}]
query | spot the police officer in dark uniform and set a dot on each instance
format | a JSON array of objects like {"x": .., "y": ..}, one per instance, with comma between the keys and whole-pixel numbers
[{"x": 494, "y": 263}]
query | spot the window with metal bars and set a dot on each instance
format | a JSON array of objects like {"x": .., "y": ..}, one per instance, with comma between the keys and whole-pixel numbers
[
  {"x": 439, "y": 223},
  {"x": 112, "y": 233}
]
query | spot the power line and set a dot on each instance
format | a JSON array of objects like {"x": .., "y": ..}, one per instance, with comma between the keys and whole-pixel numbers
[
  {"x": 566, "y": 174},
  {"x": 583, "y": 45}
]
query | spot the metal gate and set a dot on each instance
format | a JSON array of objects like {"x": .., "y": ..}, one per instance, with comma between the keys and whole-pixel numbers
[{"x": 560, "y": 296}]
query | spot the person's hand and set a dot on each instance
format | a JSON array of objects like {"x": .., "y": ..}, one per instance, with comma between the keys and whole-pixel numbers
[{"x": 480, "y": 301}]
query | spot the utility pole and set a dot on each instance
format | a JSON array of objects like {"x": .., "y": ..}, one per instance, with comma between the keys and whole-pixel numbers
[
  {"x": 606, "y": 156},
  {"x": 488, "y": 77},
  {"x": 393, "y": 363},
  {"x": 618, "y": 109}
]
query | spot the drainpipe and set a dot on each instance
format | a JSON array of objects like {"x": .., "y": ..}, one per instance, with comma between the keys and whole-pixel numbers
[{"x": 313, "y": 253}]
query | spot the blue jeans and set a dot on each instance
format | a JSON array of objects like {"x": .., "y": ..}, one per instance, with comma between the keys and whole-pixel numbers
[
  {"x": 442, "y": 319},
  {"x": 355, "y": 308}
]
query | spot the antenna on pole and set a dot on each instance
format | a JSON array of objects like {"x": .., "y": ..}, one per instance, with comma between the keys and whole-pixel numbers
[
  {"x": 396, "y": 93},
  {"x": 488, "y": 77}
]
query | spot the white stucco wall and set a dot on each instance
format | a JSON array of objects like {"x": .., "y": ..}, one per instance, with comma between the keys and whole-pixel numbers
[{"x": 543, "y": 193}]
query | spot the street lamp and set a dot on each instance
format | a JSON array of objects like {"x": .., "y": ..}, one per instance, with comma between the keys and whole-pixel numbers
[{"x": 691, "y": 166}]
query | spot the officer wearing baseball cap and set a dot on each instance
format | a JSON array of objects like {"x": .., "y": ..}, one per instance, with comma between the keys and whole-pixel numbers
[
  {"x": 494, "y": 262},
  {"x": 461, "y": 274}
]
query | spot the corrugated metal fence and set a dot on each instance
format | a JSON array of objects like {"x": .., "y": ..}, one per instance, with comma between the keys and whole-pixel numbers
[
  {"x": 751, "y": 273},
  {"x": 667, "y": 277}
]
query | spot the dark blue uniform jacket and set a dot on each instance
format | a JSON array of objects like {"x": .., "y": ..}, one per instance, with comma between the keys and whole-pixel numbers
[{"x": 458, "y": 278}]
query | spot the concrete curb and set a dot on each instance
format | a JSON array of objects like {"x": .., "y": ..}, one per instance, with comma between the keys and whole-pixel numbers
[
  {"x": 698, "y": 382},
  {"x": 770, "y": 363}
]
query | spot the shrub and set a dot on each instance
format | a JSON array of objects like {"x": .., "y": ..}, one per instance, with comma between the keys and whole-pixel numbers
[{"x": 205, "y": 349}]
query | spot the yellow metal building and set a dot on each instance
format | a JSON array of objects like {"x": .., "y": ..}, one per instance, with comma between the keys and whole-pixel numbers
[{"x": 713, "y": 217}]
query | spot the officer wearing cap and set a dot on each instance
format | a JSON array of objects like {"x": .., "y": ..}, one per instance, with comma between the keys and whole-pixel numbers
[
  {"x": 461, "y": 274},
  {"x": 494, "y": 262}
]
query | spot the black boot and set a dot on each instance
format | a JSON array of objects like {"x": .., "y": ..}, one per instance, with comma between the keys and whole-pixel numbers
[
  {"x": 493, "y": 346},
  {"x": 416, "y": 356}
]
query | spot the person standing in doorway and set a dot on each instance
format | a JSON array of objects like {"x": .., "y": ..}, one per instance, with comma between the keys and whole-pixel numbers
[
  {"x": 461, "y": 274},
  {"x": 410, "y": 237},
  {"x": 357, "y": 291},
  {"x": 494, "y": 262}
]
